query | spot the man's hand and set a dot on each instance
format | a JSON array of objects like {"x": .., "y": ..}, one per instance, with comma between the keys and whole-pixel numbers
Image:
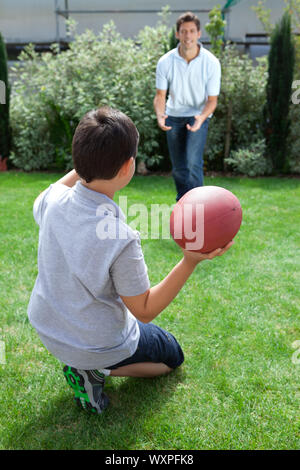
[
  {"x": 208, "y": 109},
  {"x": 193, "y": 257},
  {"x": 161, "y": 120},
  {"x": 159, "y": 103},
  {"x": 197, "y": 124}
]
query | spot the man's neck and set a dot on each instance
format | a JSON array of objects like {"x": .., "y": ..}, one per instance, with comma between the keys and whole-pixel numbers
[{"x": 189, "y": 55}]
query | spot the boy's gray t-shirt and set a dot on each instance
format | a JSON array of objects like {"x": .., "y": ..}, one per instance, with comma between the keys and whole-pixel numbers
[{"x": 87, "y": 257}]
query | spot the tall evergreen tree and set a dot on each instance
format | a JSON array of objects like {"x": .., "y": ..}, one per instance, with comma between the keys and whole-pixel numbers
[
  {"x": 173, "y": 41},
  {"x": 281, "y": 61},
  {"x": 5, "y": 137}
]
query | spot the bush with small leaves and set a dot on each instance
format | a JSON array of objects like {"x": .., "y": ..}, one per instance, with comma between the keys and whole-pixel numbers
[
  {"x": 52, "y": 91},
  {"x": 250, "y": 160}
]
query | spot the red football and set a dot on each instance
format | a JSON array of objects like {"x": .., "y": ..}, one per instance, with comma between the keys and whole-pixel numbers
[{"x": 205, "y": 218}]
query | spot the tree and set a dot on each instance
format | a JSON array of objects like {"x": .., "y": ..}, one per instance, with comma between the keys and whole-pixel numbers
[
  {"x": 5, "y": 136},
  {"x": 293, "y": 8},
  {"x": 281, "y": 61},
  {"x": 215, "y": 29},
  {"x": 173, "y": 41}
]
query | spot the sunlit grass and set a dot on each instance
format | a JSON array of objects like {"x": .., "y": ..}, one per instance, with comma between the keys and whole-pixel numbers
[{"x": 236, "y": 319}]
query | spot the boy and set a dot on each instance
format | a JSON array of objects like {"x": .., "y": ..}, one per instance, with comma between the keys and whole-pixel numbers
[{"x": 92, "y": 304}]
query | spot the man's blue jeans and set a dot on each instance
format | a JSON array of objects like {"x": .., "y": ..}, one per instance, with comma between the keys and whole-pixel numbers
[{"x": 186, "y": 152}]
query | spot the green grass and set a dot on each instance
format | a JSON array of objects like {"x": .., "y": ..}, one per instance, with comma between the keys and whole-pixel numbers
[{"x": 236, "y": 318}]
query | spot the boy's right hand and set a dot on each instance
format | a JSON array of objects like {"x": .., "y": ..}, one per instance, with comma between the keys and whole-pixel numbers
[{"x": 193, "y": 257}]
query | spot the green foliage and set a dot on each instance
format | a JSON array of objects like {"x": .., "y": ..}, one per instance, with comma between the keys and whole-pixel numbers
[
  {"x": 279, "y": 87},
  {"x": 5, "y": 134},
  {"x": 173, "y": 41},
  {"x": 250, "y": 160},
  {"x": 263, "y": 15},
  {"x": 294, "y": 140},
  {"x": 53, "y": 91},
  {"x": 293, "y": 8},
  {"x": 61, "y": 129},
  {"x": 215, "y": 29},
  {"x": 242, "y": 92}
]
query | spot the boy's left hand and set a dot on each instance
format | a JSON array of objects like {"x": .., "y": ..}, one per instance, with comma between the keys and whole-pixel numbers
[{"x": 196, "y": 257}]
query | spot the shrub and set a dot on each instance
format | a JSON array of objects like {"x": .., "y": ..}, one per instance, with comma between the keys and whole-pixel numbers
[
  {"x": 294, "y": 140},
  {"x": 54, "y": 90},
  {"x": 279, "y": 89},
  {"x": 237, "y": 119},
  {"x": 250, "y": 160}
]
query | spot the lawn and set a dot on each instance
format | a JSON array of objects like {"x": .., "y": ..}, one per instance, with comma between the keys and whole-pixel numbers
[{"x": 237, "y": 319}]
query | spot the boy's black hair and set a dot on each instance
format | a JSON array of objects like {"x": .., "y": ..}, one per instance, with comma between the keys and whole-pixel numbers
[
  {"x": 103, "y": 141},
  {"x": 186, "y": 17}
]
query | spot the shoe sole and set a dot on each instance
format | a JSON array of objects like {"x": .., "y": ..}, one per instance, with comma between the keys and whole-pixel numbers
[{"x": 77, "y": 382}]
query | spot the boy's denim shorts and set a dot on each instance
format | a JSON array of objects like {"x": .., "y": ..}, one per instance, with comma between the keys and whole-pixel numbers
[{"x": 155, "y": 345}]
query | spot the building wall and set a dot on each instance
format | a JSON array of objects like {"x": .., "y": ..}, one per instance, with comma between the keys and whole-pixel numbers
[{"x": 24, "y": 21}]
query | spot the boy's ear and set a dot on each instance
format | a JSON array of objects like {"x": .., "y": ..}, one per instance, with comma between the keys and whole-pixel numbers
[{"x": 125, "y": 168}]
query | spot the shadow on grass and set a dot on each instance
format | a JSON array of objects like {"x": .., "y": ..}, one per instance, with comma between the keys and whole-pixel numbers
[
  {"x": 268, "y": 183},
  {"x": 153, "y": 184},
  {"x": 130, "y": 420}
]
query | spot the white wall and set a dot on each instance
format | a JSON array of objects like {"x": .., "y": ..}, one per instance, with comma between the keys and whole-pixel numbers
[
  {"x": 35, "y": 20},
  {"x": 27, "y": 20}
]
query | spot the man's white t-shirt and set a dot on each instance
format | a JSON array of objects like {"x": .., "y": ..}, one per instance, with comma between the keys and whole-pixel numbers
[{"x": 189, "y": 84}]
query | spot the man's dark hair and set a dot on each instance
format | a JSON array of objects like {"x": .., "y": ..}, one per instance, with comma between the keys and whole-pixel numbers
[
  {"x": 103, "y": 141},
  {"x": 187, "y": 17}
]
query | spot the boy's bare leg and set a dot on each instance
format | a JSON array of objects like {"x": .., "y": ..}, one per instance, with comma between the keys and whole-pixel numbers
[{"x": 141, "y": 369}]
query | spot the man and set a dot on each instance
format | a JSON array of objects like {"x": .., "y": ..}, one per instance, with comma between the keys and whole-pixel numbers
[{"x": 192, "y": 75}]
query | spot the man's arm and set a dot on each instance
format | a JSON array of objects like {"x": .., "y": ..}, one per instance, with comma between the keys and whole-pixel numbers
[
  {"x": 208, "y": 109},
  {"x": 147, "y": 306},
  {"x": 159, "y": 104}
]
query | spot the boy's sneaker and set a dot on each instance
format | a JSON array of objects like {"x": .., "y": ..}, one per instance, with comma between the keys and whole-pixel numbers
[{"x": 88, "y": 387}]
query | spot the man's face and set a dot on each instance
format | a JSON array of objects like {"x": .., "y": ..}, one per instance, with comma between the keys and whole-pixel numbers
[{"x": 188, "y": 35}]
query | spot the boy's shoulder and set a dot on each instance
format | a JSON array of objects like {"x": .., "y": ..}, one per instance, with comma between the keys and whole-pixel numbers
[
  {"x": 112, "y": 225},
  {"x": 52, "y": 193},
  {"x": 85, "y": 212}
]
